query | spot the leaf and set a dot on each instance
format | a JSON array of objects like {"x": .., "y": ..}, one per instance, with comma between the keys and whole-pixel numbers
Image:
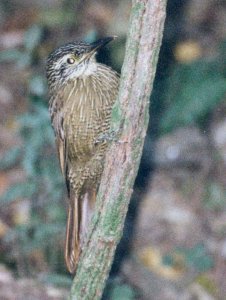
[
  {"x": 207, "y": 283},
  {"x": 163, "y": 266},
  {"x": 197, "y": 257},
  {"x": 10, "y": 55},
  {"x": 24, "y": 60},
  {"x": 123, "y": 292},
  {"x": 10, "y": 158},
  {"x": 57, "y": 17},
  {"x": 91, "y": 36},
  {"x": 32, "y": 37},
  {"x": 37, "y": 85},
  {"x": 193, "y": 91},
  {"x": 215, "y": 197},
  {"x": 56, "y": 279},
  {"x": 20, "y": 190}
]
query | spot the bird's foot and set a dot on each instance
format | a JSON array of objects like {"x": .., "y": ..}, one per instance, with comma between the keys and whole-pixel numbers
[{"x": 110, "y": 136}]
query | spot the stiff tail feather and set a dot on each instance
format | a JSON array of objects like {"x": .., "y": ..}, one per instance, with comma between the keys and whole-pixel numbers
[{"x": 79, "y": 215}]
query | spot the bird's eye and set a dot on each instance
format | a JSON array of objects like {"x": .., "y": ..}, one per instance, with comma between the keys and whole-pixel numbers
[{"x": 70, "y": 60}]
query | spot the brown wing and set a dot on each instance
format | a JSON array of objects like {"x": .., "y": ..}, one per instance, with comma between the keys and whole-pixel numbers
[
  {"x": 57, "y": 119},
  {"x": 72, "y": 241},
  {"x": 61, "y": 154}
]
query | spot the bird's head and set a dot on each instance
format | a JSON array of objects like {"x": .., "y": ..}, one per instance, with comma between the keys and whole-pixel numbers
[{"x": 73, "y": 60}]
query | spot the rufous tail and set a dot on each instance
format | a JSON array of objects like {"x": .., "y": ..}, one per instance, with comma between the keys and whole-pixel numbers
[{"x": 79, "y": 215}]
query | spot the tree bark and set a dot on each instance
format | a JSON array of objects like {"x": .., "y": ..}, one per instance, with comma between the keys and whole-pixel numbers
[{"x": 131, "y": 115}]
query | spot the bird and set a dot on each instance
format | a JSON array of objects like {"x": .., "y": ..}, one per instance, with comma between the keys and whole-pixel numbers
[{"x": 82, "y": 93}]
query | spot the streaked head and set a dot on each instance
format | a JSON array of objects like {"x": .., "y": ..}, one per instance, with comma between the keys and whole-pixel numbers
[{"x": 73, "y": 60}]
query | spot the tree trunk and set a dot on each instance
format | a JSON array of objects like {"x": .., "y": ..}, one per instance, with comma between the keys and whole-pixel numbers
[{"x": 131, "y": 115}]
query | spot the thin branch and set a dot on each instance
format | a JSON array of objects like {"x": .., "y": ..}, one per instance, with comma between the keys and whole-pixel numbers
[{"x": 131, "y": 112}]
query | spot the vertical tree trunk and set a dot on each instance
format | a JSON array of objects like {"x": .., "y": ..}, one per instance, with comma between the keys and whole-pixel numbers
[{"x": 131, "y": 113}]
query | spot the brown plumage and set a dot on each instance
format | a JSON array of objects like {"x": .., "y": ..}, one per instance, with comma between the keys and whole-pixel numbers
[{"x": 82, "y": 93}]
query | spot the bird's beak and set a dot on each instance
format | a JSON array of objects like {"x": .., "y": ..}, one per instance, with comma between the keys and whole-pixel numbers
[
  {"x": 101, "y": 43},
  {"x": 97, "y": 45}
]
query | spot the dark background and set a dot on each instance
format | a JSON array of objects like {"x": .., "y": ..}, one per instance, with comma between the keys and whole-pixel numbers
[{"x": 174, "y": 243}]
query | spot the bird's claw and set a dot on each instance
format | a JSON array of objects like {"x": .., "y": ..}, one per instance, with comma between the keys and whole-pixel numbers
[
  {"x": 106, "y": 137},
  {"x": 110, "y": 136}
]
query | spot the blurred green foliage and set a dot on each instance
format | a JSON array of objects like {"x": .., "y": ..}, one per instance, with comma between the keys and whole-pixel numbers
[
  {"x": 192, "y": 91},
  {"x": 215, "y": 196},
  {"x": 116, "y": 289},
  {"x": 58, "y": 280},
  {"x": 24, "y": 57},
  {"x": 196, "y": 258},
  {"x": 123, "y": 291},
  {"x": 10, "y": 158},
  {"x": 55, "y": 17},
  {"x": 43, "y": 184}
]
